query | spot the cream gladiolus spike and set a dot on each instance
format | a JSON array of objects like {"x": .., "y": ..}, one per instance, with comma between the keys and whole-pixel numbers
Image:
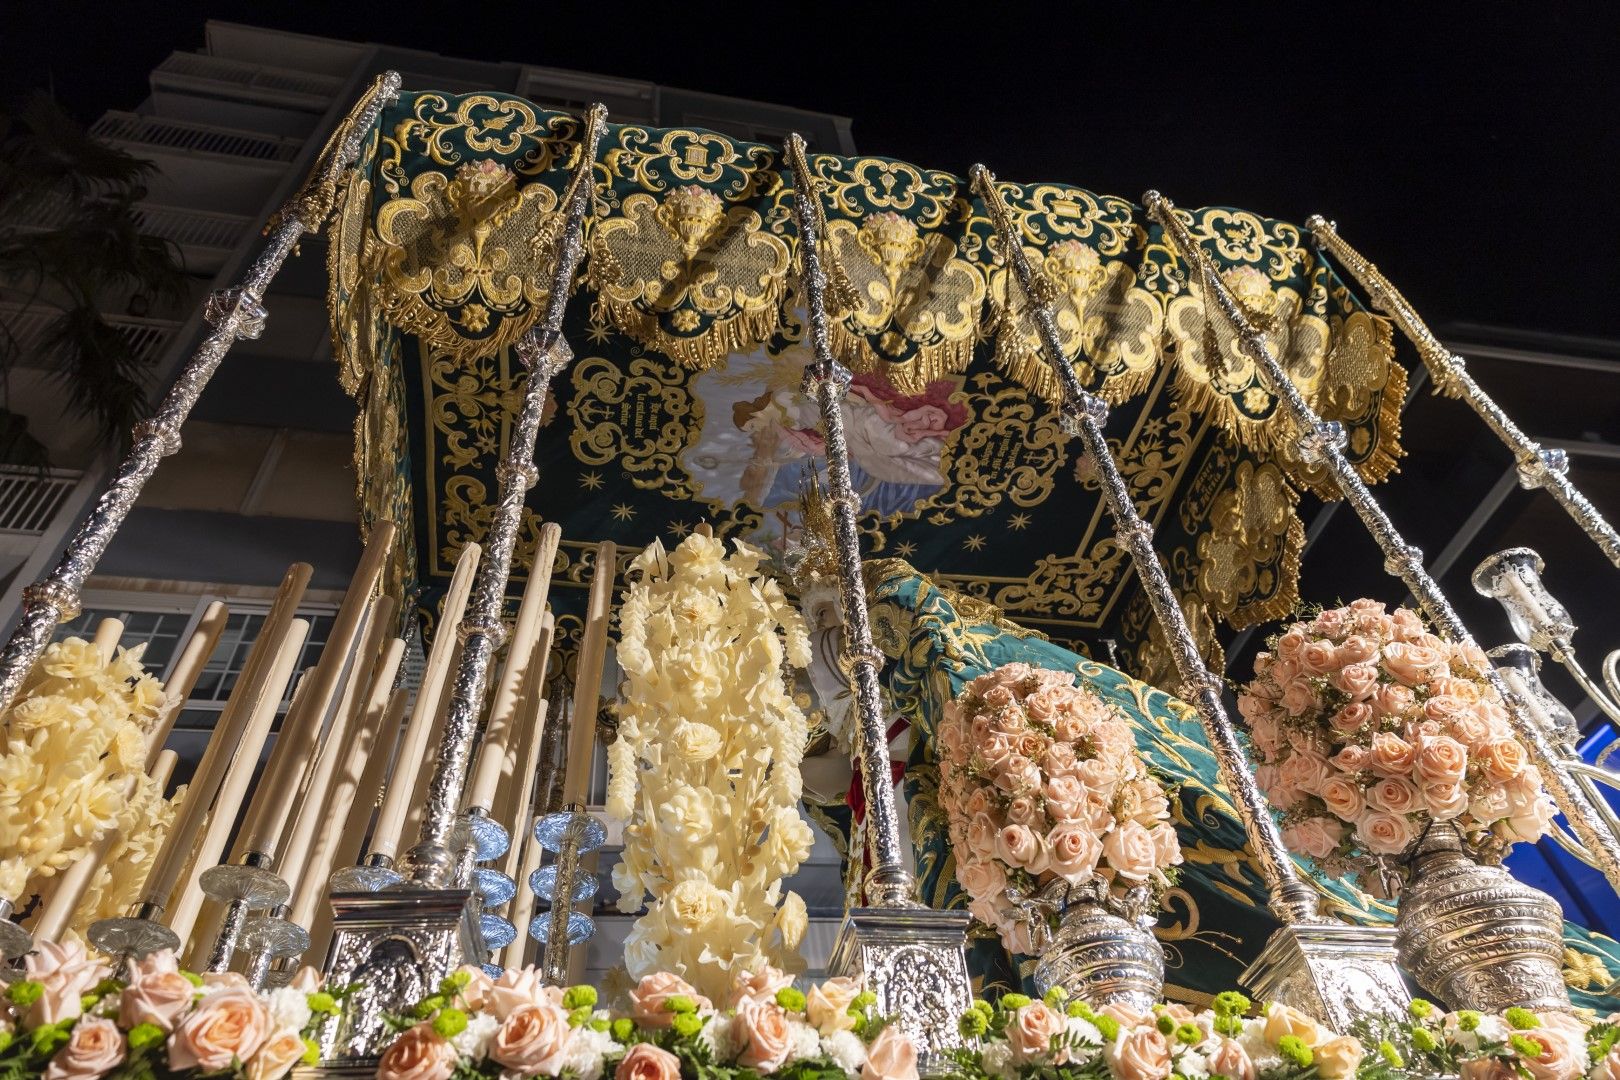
[
  {"x": 705, "y": 770},
  {"x": 74, "y": 737}
]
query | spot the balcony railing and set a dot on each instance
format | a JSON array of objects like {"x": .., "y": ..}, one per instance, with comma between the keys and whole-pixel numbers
[
  {"x": 156, "y": 131},
  {"x": 193, "y": 228},
  {"x": 247, "y": 76},
  {"x": 30, "y": 498},
  {"x": 30, "y": 327}
]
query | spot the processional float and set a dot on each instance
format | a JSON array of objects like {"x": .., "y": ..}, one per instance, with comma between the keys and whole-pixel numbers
[{"x": 396, "y": 931}]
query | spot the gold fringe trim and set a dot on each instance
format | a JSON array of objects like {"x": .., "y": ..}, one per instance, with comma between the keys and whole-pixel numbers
[
  {"x": 932, "y": 362},
  {"x": 1285, "y": 599},
  {"x": 738, "y": 333},
  {"x": 1385, "y": 459}
]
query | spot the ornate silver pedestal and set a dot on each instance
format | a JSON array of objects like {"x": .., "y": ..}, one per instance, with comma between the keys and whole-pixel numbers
[
  {"x": 1333, "y": 971},
  {"x": 397, "y": 944},
  {"x": 913, "y": 960},
  {"x": 1103, "y": 959}
]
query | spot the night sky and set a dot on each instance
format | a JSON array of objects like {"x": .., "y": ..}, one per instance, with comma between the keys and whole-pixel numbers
[{"x": 1470, "y": 151}]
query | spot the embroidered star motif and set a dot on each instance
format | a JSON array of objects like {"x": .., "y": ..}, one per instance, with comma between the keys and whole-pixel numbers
[
  {"x": 591, "y": 481},
  {"x": 905, "y": 549},
  {"x": 623, "y": 511},
  {"x": 598, "y": 333},
  {"x": 679, "y": 528},
  {"x": 974, "y": 543},
  {"x": 1019, "y": 521}
]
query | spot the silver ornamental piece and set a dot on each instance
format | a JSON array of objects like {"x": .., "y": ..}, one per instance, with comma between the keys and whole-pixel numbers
[
  {"x": 1400, "y": 558},
  {"x": 913, "y": 960},
  {"x": 1102, "y": 959},
  {"x": 1336, "y": 972},
  {"x": 1473, "y": 935},
  {"x": 396, "y": 945},
  {"x": 1538, "y": 467}
]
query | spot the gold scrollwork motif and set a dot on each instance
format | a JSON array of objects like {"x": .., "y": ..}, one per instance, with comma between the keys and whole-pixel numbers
[
  {"x": 919, "y": 302},
  {"x": 348, "y": 300},
  {"x": 1007, "y": 450},
  {"x": 489, "y": 126},
  {"x": 1248, "y": 561},
  {"x": 689, "y": 276},
  {"x": 639, "y": 419},
  {"x": 1155, "y": 663},
  {"x": 461, "y": 254}
]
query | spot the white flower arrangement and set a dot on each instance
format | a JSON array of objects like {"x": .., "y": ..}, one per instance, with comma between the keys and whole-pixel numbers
[{"x": 705, "y": 770}]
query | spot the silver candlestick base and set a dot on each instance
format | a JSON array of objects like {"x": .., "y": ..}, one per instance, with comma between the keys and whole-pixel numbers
[
  {"x": 268, "y": 938},
  {"x": 915, "y": 960},
  {"x": 395, "y": 945},
  {"x": 1333, "y": 971},
  {"x": 375, "y": 874},
  {"x": 570, "y": 834},
  {"x": 133, "y": 936},
  {"x": 14, "y": 940},
  {"x": 242, "y": 888}
]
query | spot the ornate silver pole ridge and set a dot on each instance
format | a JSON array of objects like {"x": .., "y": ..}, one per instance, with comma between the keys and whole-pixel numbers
[
  {"x": 545, "y": 353},
  {"x": 1323, "y": 441},
  {"x": 1084, "y": 413},
  {"x": 1538, "y": 466},
  {"x": 234, "y": 313},
  {"x": 889, "y": 884}
]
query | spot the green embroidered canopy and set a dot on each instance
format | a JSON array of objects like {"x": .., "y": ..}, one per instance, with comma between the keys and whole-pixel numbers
[{"x": 683, "y": 404}]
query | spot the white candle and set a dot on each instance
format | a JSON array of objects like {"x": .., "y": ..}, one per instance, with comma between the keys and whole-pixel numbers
[
  {"x": 183, "y": 675},
  {"x": 588, "y": 680},
  {"x": 513, "y": 808},
  {"x": 497, "y": 754},
  {"x": 370, "y": 789}
]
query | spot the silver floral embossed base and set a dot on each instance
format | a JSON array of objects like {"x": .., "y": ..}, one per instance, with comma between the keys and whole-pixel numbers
[
  {"x": 914, "y": 959},
  {"x": 1333, "y": 971},
  {"x": 1102, "y": 959},
  {"x": 1473, "y": 936},
  {"x": 396, "y": 944}
]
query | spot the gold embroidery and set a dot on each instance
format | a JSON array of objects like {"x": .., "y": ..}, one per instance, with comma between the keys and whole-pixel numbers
[
  {"x": 641, "y": 419},
  {"x": 1008, "y": 449},
  {"x": 457, "y": 254},
  {"x": 1253, "y": 547}
]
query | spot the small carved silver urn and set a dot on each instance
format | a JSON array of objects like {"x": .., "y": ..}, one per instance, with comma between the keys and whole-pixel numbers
[
  {"x": 1474, "y": 936},
  {"x": 1103, "y": 951}
]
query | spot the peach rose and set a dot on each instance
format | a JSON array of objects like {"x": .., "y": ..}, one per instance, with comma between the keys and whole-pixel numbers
[
  {"x": 758, "y": 984},
  {"x": 1317, "y": 657},
  {"x": 65, "y": 973},
  {"x": 977, "y": 803},
  {"x": 1298, "y": 698},
  {"x": 648, "y": 996},
  {"x": 158, "y": 997},
  {"x": 1352, "y": 718},
  {"x": 1125, "y": 1015},
  {"x": 892, "y": 1056},
  {"x": 981, "y": 835},
  {"x": 1022, "y": 810},
  {"x": 1059, "y": 760},
  {"x": 644, "y": 1061},
  {"x": 1562, "y": 1055},
  {"x": 1393, "y": 699},
  {"x": 1356, "y": 649},
  {"x": 1470, "y": 729},
  {"x": 1305, "y": 770},
  {"x": 761, "y": 1030},
  {"x": 228, "y": 1025},
  {"x": 1351, "y": 759},
  {"x": 1503, "y": 760},
  {"x": 1032, "y": 1029},
  {"x": 1439, "y": 759},
  {"x": 1130, "y": 851},
  {"x": 419, "y": 1053},
  {"x": 1411, "y": 663},
  {"x": 1166, "y": 845},
  {"x": 1017, "y": 846},
  {"x": 517, "y": 987},
  {"x": 982, "y": 877},
  {"x": 1391, "y": 755},
  {"x": 1284, "y": 1020},
  {"x": 1608, "y": 1068},
  {"x": 826, "y": 1007},
  {"x": 280, "y": 1052},
  {"x": 533, "y": 1039},
  {"x": 1359, "y": 681},
  {"x": 1231, "y": 1061},
  {"x": 1289, "y": 644},
  {"x": 998, "y": 697},
  {"x": 1487, "y": 1069},
  {"x": 1393, "y": 795},
  {"x": 1317, "y": 837},
  {"x": 1385, "y": 834},
  {"x": 94, "y": 1048},
  {"x": 1065, "y": 798},
  {"x": 1143, "y": 1054},
  {"x": 1251, "y": 708},
  {"x": 1018, "y": 773},
  {"x": 1266, "y": 734},
  {"x": 1342, "y": 796},
  {"x": 1074, "y": 853},
  {"x": 1445, "y": 802},
  {"x": 1338, "y": 1058}
]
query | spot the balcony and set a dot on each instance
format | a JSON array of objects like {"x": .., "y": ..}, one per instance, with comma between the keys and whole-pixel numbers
[
  {"x": 30, "y": 327},
  {"x": 146, "y": 133},
  {"x": 30, "y": 498},
  {"x": 246, "y": 81},
  {"x": 204, "y": 237}
]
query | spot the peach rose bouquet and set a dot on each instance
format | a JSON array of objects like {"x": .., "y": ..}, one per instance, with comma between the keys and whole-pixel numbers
[
  {"x": 1512, "y": 1045},
  {"x": 515, "y": 1025},
  {"x": 1368, "y": 728},
  {"x": 67, "y": 1018},
  {"x": 1020, "y": 1038},
  {"x": 1042, "y": 787}
]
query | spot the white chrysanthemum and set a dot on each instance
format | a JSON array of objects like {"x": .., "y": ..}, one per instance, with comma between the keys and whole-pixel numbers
[
  {"x": 998, "y": 1060},
  {"x": 587, "y": 1048},
  {"x": 716, "y": 1035},
  {"x": 1192, "y": 1065},
  {"x": 803, "y": 1042},
  {"x": 289, "y": 1007},
  {"x": 472, "y": 1041},
  {"x": 1083, "y": 1031},
  {"x": 846, "y": 1049}
]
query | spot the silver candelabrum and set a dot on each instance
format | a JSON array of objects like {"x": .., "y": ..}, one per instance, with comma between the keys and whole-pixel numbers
[{"x": 1544, "y": 626}]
